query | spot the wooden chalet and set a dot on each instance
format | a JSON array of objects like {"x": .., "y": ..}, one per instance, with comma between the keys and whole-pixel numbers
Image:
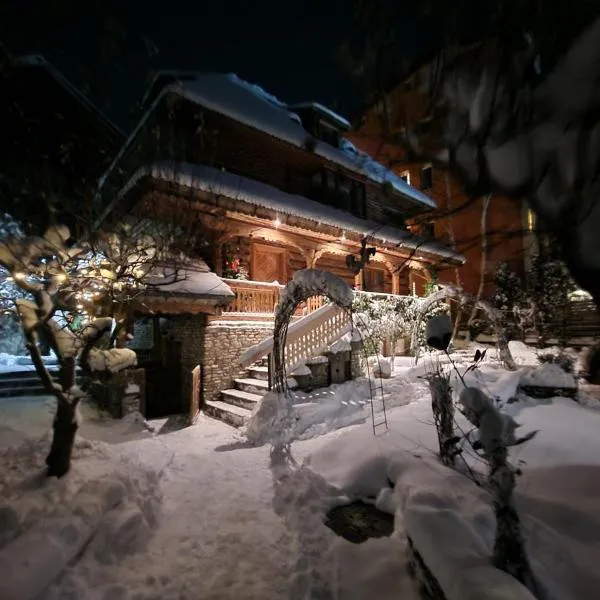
[{"x": 273, "y": 188}]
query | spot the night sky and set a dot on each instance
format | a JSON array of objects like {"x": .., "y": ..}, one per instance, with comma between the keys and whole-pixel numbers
[{"x": 288, "y": 48}]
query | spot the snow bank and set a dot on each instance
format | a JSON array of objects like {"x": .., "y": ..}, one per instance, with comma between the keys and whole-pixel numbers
[
  {"x": 105, "y": 507},
  {"x": 450, "y": 519},
  {"x": 334, "y": 407}
]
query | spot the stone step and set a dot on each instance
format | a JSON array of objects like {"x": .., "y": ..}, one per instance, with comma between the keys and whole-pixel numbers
[
  {"x": 13, "y": 392},
  {"x": 254, "y": 386},
  {"x": 256, "y": 372},
  {"x": 19, "y": 382},
  {"x": 229, "y": 413},
  {"x": 240, "y": 398}
]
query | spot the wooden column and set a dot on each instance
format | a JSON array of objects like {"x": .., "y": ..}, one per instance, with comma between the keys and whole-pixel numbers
[
  {"x": 395, "y": 282},
  {"x": 218, "y": 258},
  {"x": 411, "y": 279},
  {"x": 359, "y": 281}
]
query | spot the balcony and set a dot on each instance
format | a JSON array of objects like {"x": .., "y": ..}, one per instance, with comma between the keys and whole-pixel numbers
[{"x": 258, "y": 299}]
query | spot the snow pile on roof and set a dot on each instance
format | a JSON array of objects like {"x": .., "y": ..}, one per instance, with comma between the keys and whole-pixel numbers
[
  {"x": 222, "y": 183},
  {"x": 188, "y": 278},
  {"x": 113, "y": 360},
  {"x": 323, "y": 110}
]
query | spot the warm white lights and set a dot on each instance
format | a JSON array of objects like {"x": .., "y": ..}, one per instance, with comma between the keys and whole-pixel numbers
[{"x": 277, "y": 221}]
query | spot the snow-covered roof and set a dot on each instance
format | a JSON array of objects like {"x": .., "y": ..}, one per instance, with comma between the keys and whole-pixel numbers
[
  {"x": 215, "y": 181},
  {"x": 249, "y": 104},
  {"x": 189, "y": 278},
  {"x": 344, "y": 123}
]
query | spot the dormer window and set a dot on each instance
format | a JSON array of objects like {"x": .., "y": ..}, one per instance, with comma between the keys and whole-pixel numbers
[
  {"x": 320, "y": 122},
  {"x": 328, "y": 133}
]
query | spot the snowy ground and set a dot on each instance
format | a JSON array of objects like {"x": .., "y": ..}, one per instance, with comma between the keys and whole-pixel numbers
[{"x": 230, "y": 524}]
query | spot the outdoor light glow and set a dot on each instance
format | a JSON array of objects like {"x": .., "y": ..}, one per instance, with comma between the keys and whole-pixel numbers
[
  {"x": 343, "y": 237},
  {"x": 61, "y": 277},
  {"x": 19, "y": 276},
  {"x": 277, "y": 222}
]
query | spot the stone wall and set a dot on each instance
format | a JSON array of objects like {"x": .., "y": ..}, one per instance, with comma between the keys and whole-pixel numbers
[
  {"x": 224, "y": 345},
  {"x": 215, "y": 346}
]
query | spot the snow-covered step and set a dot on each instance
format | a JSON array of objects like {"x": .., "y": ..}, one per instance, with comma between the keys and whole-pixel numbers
[
  {"x": 229, "y": 413},
  {"x": 254, "y": 386},
  {"x": 8, "y": 392},
  {"x": 257, "y": 372},
  {"x": 240, "y": 398}
]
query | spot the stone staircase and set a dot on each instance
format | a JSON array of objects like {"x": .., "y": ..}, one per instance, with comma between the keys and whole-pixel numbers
[
  {"x": 236, "y": 404},
  {"x": 21, "y": 383},
  {"x": 306, "y": 338}
]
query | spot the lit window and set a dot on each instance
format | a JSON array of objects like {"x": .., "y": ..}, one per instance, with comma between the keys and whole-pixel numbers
[
  {"x": 530, "y": 220},
  {"x": 405, "y": 176}
]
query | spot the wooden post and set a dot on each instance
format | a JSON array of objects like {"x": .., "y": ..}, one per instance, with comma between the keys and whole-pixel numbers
[
  {"x": 358, "y": 281},
  {"x": 395, "y": 282},
  {"x": 218, "y": 258}
]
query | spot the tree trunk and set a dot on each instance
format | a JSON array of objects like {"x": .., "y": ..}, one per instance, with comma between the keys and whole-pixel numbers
[
  {"x": 64, "y": 430},
  {"x": 452, "y": 240},
  {"x": 484, "y": 249},
  {"x": 443, "y": 416}
]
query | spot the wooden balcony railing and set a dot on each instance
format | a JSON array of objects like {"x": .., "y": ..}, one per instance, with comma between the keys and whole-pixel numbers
[
  {"x": 262, "y": 298},
  {"x": 253, "y": 296}
]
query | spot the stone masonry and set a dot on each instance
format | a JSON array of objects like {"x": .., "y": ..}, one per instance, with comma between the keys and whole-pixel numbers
[{"x": 215, "y": 346}]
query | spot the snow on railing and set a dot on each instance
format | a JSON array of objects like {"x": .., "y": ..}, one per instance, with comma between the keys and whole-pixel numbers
[{"x": 306, "y": 338}]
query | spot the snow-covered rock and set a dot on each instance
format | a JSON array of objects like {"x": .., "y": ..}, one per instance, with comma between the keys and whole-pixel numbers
[
  {"x": 548, "y": 375},
  {"x": 380, "y": 366}
]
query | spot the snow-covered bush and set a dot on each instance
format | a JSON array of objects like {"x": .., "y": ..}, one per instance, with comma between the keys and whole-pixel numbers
[{"x": 391, "y": 318}]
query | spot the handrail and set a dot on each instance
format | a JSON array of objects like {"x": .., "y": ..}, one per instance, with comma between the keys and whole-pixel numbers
[{"x": 305, "y": 338}]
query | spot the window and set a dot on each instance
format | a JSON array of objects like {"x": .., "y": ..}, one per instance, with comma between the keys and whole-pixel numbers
[
  {"x": 329, "y": 134},
  {"x": 374, "y": 280},
  {"x": 344, "y": 193},
  {"x": 427, "y": 177},
  {"x": 359, "y": 201},
  {"x": 427, "y": 231},
  {"x": 405, "y": 176}
]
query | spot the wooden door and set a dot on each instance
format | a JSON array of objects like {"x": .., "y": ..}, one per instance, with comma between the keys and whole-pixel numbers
[
  {"x": 194, "y": 408},
  {"x": 269, "y": 263}
]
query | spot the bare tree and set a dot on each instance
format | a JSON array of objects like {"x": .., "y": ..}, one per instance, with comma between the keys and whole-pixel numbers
[{"x": 95, "y": 281}]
